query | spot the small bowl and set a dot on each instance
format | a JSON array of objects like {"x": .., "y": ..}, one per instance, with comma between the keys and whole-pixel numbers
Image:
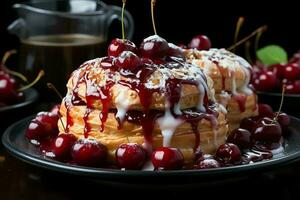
[
  {"x": 12, "y": 113},
  {"x": 290, "y": 103}
]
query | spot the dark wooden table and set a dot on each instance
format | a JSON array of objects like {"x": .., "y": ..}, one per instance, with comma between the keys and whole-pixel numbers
[{"x": 19, "y": 180}]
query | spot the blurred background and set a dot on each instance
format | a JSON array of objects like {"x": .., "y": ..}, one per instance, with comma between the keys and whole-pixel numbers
[
  {"x": 176, "y": 21},
  {"x": 179, "y": 21}
]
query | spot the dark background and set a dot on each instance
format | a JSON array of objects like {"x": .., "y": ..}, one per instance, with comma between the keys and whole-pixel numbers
[{"x": 179, "y": 21}]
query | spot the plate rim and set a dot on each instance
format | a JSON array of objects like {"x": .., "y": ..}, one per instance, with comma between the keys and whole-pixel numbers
[
  {"x": 28, "y": 100},
  {"x": 114, "y": 173},
  {"x": 277, "y": 94}
]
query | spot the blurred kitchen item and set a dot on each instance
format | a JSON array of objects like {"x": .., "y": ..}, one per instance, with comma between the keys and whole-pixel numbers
[{"x": 59, "y": 35}]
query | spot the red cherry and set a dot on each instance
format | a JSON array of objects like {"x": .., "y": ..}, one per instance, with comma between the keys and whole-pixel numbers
[
  {"x": 200, "y": 42},
  {"x": 87, "y": 152},
  {"x": 128, "y": 61},
  {"x": 265, "y": 81},
  {"x": 35, "y": 132},
  {"x": 164, "y": 158},
  {"x": 117, "y": 46},
  {"x": 42, "y": 127},
  {"x": 61, "y": 146},
  {"x": 284, "y": 120},
  {"x": 229, "y": 153},
  {"x": 248, "y": 123},
  {"x": 108, "y": 63},
  {"x": 49, "y": 121},
  {"x": 147, "y": 61},
  {"x": 154, "y": 47},
  {"x": 8, "y": 90},
  {"x": 293, "y": 87},
  {"x": 292, "y": 71},
  {"x": 278, "y": 70},
  {"x": 267, "y": 130},
  {"x": 175, "y": 51},
  {"x": 130, "y": 156},
  {"x": 240, "y": 137},
  {"x": 55, "y": 109},
  {"x": 207, "y": 163},
  {"x": 264, "y": 110},
  {"x": 295, "y": 58}
]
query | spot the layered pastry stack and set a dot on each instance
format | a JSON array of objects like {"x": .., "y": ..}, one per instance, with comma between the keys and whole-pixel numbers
[
  {"x": 158, "y": 102},
  {"x": 231, "y": 75}
]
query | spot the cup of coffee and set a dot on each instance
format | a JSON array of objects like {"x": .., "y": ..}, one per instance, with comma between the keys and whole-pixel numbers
[{"x": 59, "y": 35}]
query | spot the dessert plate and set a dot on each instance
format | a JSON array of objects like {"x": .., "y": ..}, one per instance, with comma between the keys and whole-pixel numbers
[
  {"x": 31, "y": 95},
  {"x": 14, "y": 141},
  {"x": 290, "y": 104}
]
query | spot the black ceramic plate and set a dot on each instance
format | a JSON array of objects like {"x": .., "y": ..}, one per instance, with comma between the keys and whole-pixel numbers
[
  {"x": 290, "y": 104},
  {"x": 31, "y": 96},
  {"x": 14, "y": 141}
]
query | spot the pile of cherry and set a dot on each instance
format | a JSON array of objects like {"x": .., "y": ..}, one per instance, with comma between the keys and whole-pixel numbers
[
  {"x": 9, "y": 86},
  {"x": 272, "y": 78},
  {"x": 260, "y": 134},
  {"x": 252, "y": 142}
]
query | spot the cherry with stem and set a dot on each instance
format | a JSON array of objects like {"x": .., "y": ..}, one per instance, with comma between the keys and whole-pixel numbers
[
  {"x": 239, "y": 24},
  {"x": 52, "y": 87},
  {"x": 6, "y": 56},
  {"x": 245, "y": 39}
]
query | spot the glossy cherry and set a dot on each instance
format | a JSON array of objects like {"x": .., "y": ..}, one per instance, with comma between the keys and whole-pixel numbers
[
  {"x": 207, "y": 163},
  {"x": 278, "y": 70},
  {"x": 88, "y": 152},
  {"x": 175, "y": 51},
  {"x": 55, "y": 109},
  {"x": 130, "y": 156},
  {"x": 8, "y": 89},
  {"x": 165, "y": 158},
  {"x": 295, "y": 58},
  {"x": 154, "y": 47},
  {"x": 267, "y": 130},
  {"x": 264, "y": 110},
  {"x": 240, "y": 137},
  {"x": 292, "y": 71},
  {"x": 248, "y": 123},
  {"x": 43, "y": 126},
  {"x": 265, "y": 81},
  {"x": 117, "y": 46},
  {"x": 61, "y": 146},
  {"x": 293, "y": 87},
  {"x": 128, "y": 61},
  {"x": 200, "y": 42},
  {"x": 228, "y": 153},
  {"x": 283, "y": 119}
]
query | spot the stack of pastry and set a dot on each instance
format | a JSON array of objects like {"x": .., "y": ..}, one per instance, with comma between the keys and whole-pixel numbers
[
  {"x": 231, "y": 75},
  {"x": 165, "y": 104}
]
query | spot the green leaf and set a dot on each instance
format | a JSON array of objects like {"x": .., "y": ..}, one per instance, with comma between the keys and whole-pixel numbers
[{"x": 272, "y": 54}]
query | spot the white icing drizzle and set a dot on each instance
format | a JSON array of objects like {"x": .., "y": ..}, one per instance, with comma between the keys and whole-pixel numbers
[
  {"x": 168, "y": 124},
  {"x": 122, "y": 104},
  {"x": 227, "y": 60}
]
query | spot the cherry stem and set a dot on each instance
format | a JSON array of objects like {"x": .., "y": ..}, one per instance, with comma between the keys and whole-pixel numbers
[
  {"x": 62, "y": 123},
  {"x": 39, "y": 76},
  {"x": 152, "y": 15},
  {"x": 122, "y": 19},
  {"x": 281, "y": 103},
  {"x": 128, "y": 141},
  {"x": 52, "y": 87},
  {"x": 247, "y": 51},
  {"x": 257, "y": 39},
  {"x": 245, "y": 39},
  {"x": 7, "y": 55},
  {"x": 239, "y": 24}
]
